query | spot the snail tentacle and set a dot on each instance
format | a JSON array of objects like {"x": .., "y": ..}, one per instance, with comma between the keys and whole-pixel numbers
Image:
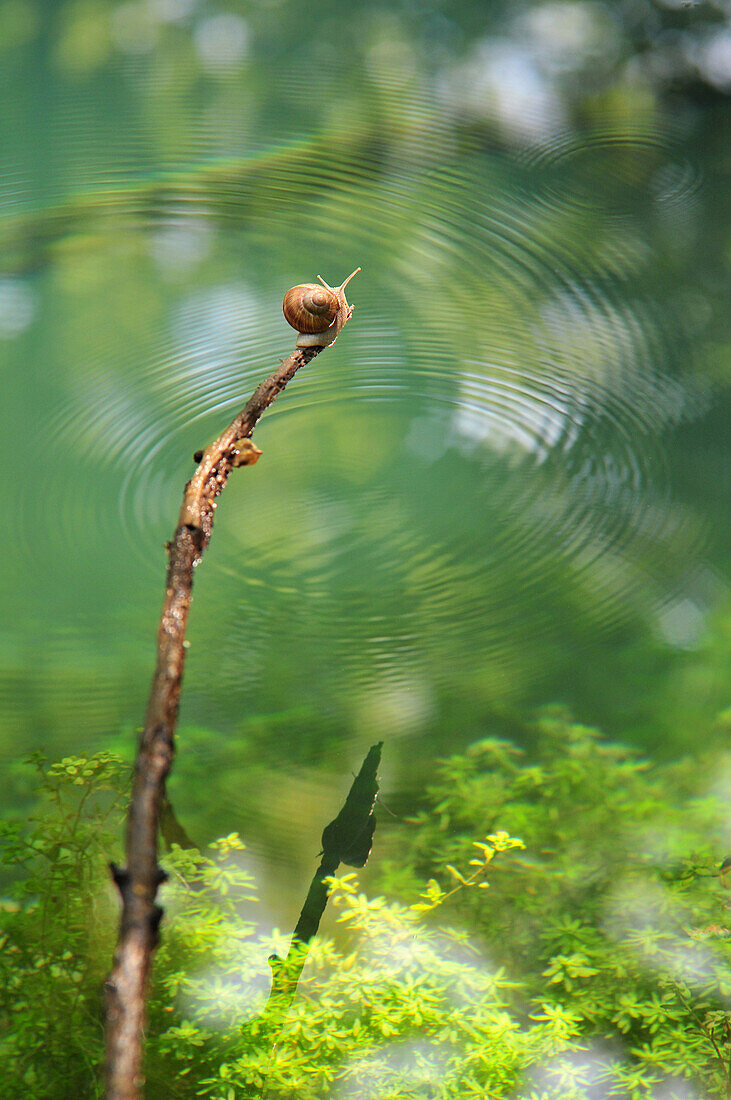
[{"x": 352, "y": 275}]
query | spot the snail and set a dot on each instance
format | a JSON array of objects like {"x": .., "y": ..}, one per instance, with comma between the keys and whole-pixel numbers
[{"x": 317, "y": 312}]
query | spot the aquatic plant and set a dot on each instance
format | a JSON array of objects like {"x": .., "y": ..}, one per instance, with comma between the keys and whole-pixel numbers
[{"x": 613, "y": 980}]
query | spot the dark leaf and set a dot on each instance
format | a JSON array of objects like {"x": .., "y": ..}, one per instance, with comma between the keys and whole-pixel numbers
[{"x": 348, "y": 838}]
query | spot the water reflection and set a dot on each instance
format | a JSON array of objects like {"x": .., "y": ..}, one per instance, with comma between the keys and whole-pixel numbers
[
  {"x": 474, "y": 494},
  {"x": 489, "y": 438}
]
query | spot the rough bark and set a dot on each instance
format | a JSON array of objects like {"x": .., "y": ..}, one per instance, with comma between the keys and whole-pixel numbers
[{"x": 138, "y": 882}]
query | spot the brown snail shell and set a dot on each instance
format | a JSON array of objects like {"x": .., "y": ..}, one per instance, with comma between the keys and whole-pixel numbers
[
  {"x": 310, "y": 308},
  {"x": 317, "y": 312}
]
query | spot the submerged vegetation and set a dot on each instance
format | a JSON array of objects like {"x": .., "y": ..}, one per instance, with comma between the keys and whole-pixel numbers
[{"x": 549, "y": 923}]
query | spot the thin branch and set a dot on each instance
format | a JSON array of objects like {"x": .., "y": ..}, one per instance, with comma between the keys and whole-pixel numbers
[
  {"x": 707, "y": 1032},
  {"x": 126, "y": 987}
]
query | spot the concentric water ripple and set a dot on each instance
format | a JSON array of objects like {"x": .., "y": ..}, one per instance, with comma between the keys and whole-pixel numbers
[
  {"x": 622, "y": 167},
  {"x": 480, "y": 459},
  {"x": 543, "y": 391}
]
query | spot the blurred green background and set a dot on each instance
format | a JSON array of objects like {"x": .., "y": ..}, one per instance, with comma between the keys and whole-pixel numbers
[{"x": 507, "y": 485}]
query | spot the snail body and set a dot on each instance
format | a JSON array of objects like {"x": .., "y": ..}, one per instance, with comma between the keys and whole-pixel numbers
[{"x": 317, "y": 312}]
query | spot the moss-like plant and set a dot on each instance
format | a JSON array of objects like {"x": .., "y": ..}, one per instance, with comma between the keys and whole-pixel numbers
[
  {"x": 616, "y": 914},
  {"x": 558, "y": 932}
]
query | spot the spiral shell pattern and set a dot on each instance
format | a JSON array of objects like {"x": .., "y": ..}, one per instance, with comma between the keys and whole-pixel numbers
[{"x": 310, "y": 308}]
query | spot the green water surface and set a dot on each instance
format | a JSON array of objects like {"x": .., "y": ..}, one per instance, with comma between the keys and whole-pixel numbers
[{"x": 506, "y": 486}]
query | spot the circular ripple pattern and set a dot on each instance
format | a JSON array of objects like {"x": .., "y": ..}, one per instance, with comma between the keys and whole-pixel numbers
[
  {"x": 623, "y": 168},
  {"x": 481, "y": 453}
]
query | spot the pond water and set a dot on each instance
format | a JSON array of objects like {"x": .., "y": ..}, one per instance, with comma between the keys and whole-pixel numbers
[{"x": 504, "y": 486}]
